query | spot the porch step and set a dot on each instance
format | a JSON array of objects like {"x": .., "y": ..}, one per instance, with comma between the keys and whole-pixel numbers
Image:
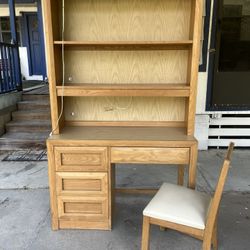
[
  {"x": 15, "y": 141},
  {"x": 34, "y": 105},
  {"x": 29, "y": 97},
  {"x": 31, "y": 115},
  {"x": 28, "y": 126}
]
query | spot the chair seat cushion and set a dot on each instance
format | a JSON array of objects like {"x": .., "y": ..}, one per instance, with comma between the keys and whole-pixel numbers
[{"x": 179, "y": 205}]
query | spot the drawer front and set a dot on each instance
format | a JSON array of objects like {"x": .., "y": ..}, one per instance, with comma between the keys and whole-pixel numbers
[
  {"x": 150, "y": 155},
  {"x": 81, "y": 158},
  {"x": 81, "y": 183},
  {"x": 83, "y": 208}
]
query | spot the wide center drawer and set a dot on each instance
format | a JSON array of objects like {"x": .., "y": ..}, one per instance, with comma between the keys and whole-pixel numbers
[
  {"x": 81, "y": 158},
  {"x": 150, "y": 155},
  {"x": 81, "y": 183}
]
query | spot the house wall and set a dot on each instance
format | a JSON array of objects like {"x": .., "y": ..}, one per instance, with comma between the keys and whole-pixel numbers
[
  {"x": 4, "y": 11},
  {"x": 206, "y": 118},
  {"x": 25, "y": 65}
]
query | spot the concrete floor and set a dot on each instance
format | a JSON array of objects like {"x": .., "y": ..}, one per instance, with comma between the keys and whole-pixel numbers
[{"x": 25, "y": 215}]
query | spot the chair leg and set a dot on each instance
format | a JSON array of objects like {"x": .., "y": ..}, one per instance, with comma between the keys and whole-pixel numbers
[
  {"x": 206, "y": 245},
  {"x": 181, "y": 169},
  {"x": 145, "y": 233},
  {"x": 214, "y": 237}
]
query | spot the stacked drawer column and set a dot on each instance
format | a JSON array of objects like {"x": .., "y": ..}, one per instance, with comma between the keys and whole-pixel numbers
[{"x": 81, "y": 177}]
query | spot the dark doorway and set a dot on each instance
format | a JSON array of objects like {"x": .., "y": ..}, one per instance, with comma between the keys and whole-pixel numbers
[
  {"x": 34, "y": 44},
  {"x": 230, "y": 56},
  {"x": 33, "y": 40}
]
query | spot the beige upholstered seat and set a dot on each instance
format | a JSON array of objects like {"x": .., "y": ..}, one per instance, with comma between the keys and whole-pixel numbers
[
  {"x": 179, "y": 205},
  {"x": 186, "y": 210}
]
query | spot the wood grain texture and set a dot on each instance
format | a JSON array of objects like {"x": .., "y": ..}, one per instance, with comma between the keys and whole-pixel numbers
[
  {"x": 52, "y": 187},
  {"x": 125, "y": 45},
  {"x": 194, "y": 64},
  {"x": 150, "y": 155},
  {"x": 83, "y": 208},
  {"x": 49, "y": 27},
  {"x": 81, "y": 158},
  {"x": 129, "y": 67},
  {"x": 193, "y": 166},
  {"x": 127, "y": 20},
  {"x": 174, "y": 90},
  {"x": 124, "y": 109},
  {"x": 116, "y": 136},
  {"x": 81, "y": 224},
  {"x": 82, "y": 183},
  {"x": 126, "y": 124}
]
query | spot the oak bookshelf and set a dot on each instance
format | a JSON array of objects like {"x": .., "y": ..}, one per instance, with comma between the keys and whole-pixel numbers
[{"x": 129, "y": 68}]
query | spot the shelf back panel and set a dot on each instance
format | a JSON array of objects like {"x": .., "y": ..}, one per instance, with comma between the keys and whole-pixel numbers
[
  {"x": 126, "y": 20},
  {"x": 126, "y": 66},
  {"x": 124, "y": 109}
]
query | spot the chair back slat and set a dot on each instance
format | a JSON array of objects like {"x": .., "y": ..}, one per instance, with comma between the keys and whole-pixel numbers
[
  {"x": 229, "y": 151},
  {"x": 214, "y": 206}
]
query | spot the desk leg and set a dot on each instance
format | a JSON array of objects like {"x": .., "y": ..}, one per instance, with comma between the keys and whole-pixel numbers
[
  {"x": 192, "y": 166},
  {"x": 181, "y": 169},
  {"x": 52, "y": 188},
  {"x": 112, "y": 193}
]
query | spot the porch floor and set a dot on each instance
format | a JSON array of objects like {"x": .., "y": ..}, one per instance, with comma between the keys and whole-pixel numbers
[{"x": 25, "y": 214}]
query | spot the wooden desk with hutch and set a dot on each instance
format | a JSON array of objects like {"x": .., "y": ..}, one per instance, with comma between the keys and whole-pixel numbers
[{"x": 124, "y": 74}]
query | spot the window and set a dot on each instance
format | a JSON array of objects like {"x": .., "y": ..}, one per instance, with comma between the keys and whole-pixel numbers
[{"x": 5, "y": 31}]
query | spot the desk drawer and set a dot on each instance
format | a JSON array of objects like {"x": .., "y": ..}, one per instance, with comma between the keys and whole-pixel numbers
[
  {"x": 82, "y": 208},
  {"x": 81, "y": 158},
  {"x": 81, "y": 183},
  {"x": 150, "y": 155}
]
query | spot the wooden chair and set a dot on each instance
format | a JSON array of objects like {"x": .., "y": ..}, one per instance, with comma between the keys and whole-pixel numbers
[{"x": 186, "y": 210}]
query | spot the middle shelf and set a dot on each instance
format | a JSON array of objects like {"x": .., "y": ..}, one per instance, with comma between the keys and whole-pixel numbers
[
  {"x": 126, "y": 45},
  {"x": 174, "y": 90}
]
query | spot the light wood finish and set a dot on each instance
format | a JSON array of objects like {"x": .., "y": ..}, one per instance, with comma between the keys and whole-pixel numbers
[
  {"x": 194, "y": 63},
  {"x": 192, "y": 166},
  {"x": 82, "y": 224},
  {"x": 80, "y": 159},
  {"x": 48, "y": 9},
  {"x": 129, "y": 67},
  {"x": 150, "y": 155},
  {"x": 130, "y": 85},
  {"x": 177, "y": 90},
  {"x": 127, "y": 20},
  {"x": 83, "y": 208},
  {"x": 145, "y": 233},
  {"x": 136, "y": 190},
  {"x": 81, "y": 183},
  {"x": 52, "y": 182},
  {"x": 172, "y": 137},
  {"x": 181, "y": 171},
  {"x": 101, "y": 124},
  {"x": 209, "y": 234},
  {"x": 126, "y": 45},
  {"x": 124, "y": 109}
]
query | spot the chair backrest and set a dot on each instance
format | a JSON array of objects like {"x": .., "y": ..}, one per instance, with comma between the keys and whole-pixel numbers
[{"x": 214, "y": 206}]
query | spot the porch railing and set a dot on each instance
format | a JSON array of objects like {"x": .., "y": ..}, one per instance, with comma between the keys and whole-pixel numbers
[{"x": 10, "y": 79}]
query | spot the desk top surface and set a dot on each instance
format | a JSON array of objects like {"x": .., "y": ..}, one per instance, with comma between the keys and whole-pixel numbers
[{"x": 124, "y": 134}]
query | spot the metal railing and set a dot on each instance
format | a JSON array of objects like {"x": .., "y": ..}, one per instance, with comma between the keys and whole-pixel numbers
[{"x": 10, "y": 78}]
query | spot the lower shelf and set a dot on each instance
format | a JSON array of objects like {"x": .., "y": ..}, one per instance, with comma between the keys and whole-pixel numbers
[{"x": 177, "y": 90}]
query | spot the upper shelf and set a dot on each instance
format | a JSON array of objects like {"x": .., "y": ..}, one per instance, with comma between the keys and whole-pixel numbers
[
  {"x": 126, "y": 45},
  {"x": 177, "y": 90}
]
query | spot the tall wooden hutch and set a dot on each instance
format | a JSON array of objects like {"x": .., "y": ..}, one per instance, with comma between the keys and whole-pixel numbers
[{"x": 123, "y": 79}]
